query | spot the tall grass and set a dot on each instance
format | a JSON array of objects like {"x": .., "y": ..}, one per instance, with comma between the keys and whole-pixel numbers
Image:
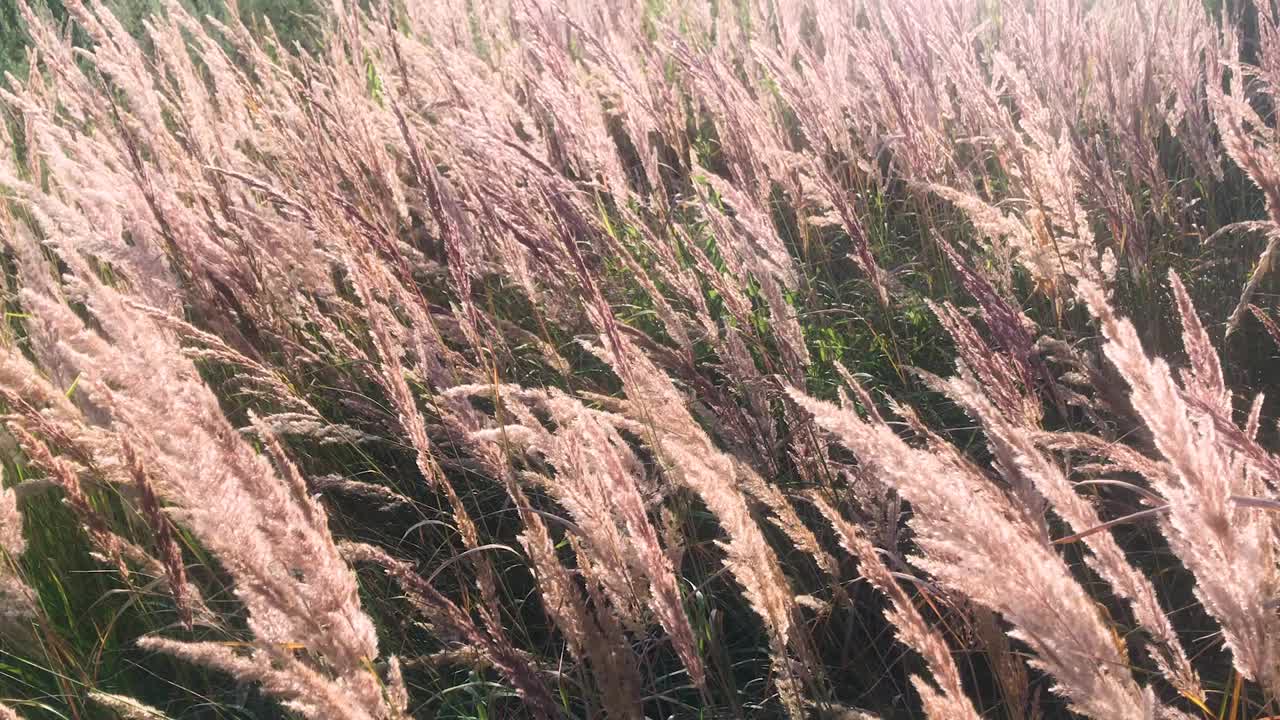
[{"x": 554, "y": 359}]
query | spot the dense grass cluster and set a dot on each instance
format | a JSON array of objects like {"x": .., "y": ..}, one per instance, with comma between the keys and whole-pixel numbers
[{"x": 640, "y": 359}]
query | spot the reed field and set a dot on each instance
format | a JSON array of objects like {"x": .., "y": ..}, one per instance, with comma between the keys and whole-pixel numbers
[{"x": 640, "y": 359}]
